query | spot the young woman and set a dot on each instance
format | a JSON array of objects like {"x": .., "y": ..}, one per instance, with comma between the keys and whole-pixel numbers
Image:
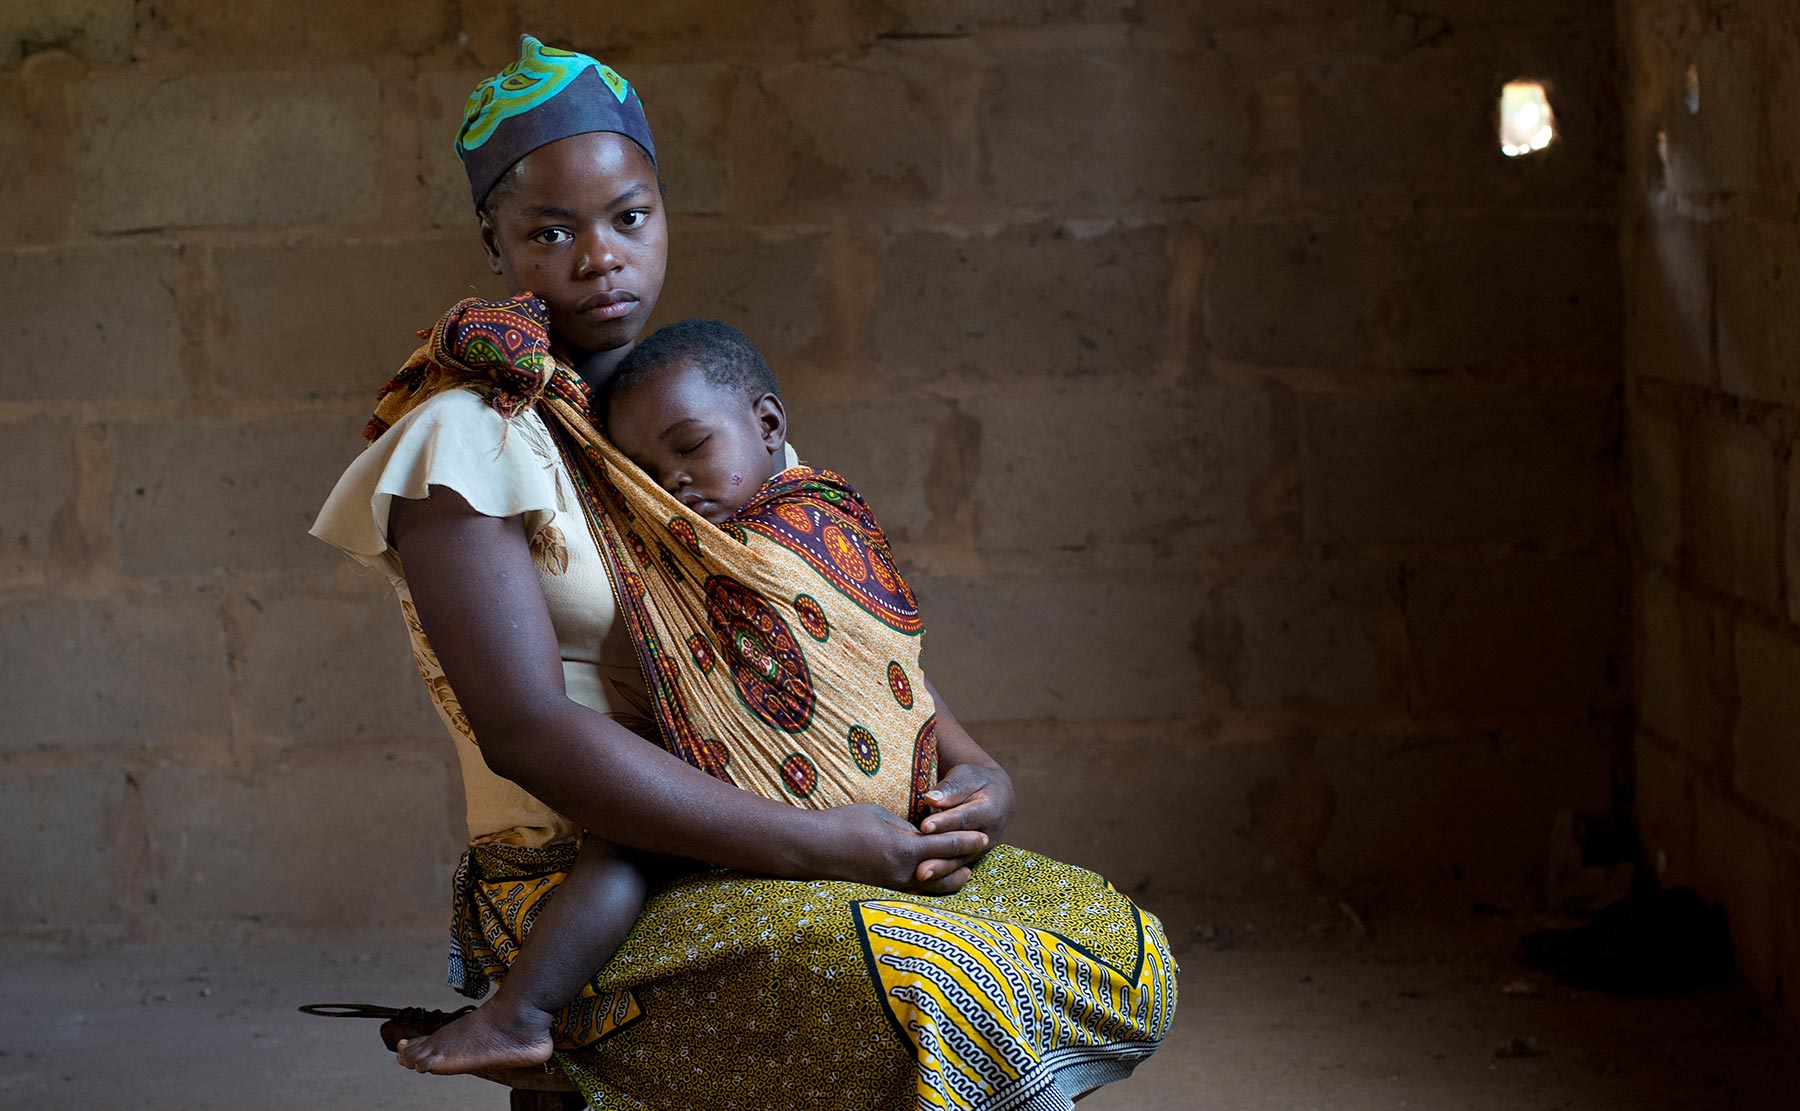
[{"x": 885, "y": 964}]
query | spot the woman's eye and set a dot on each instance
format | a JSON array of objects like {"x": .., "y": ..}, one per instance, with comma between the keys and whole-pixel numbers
[
  {"x": 635, "y": 218},
  {"x": 553, "y": 236}
]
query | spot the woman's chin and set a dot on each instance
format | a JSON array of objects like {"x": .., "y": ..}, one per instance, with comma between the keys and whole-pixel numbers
[{"x": 591, "y": 337}]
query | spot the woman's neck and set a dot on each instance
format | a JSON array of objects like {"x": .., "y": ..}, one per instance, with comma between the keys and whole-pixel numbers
[{"x": 596, "y": 368}]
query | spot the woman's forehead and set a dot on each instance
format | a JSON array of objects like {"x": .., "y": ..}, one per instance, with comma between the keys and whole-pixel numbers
[{"x": 589, "y": 170}]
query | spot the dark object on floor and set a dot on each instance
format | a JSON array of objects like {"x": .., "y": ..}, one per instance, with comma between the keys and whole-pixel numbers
[
  {"x": 533, "y": 1089},
  {"x": 1590, "y": 864},
  {"x": 1651, "y": 942}
]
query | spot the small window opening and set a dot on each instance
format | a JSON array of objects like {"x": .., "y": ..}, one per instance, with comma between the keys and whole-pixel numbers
[
  {"x": 1526, "y": 122},
  {"x": 1690, "y": 96}
]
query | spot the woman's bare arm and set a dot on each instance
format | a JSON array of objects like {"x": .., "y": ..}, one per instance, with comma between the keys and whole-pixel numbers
[{"x": 477, "y": 593}]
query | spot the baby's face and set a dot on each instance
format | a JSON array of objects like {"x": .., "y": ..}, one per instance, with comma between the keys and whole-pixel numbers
[{"x": 709, "y": 446}]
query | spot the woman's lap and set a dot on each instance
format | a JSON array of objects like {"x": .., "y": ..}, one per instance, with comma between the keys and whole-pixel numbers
[{"x": 1034, "y": 983}]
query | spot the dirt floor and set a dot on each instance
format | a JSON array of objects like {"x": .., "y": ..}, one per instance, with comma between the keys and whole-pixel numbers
[{"x": 1293, "y": 1005}]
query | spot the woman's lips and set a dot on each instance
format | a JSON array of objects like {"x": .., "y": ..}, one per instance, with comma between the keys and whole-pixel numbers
[{"x": 610, "y": 305}]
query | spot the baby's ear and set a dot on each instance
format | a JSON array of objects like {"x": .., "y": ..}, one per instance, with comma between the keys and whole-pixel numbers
[{"x": 771, "y": 418}]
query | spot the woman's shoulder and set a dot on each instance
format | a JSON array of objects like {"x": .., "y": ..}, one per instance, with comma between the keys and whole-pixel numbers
[
  {"x": 461, "y": 409},
  {"x": 454, "y": 439}
]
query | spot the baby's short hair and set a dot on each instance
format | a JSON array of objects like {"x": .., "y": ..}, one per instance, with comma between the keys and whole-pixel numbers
[{"x": 725, "y": 355}]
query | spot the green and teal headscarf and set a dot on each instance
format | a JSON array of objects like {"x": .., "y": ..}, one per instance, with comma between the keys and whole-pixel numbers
[{"x": 545, "y": 95}]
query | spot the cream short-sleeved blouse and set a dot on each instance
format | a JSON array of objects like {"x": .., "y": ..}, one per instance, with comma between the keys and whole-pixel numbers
[{"x": 456, "y": 440}]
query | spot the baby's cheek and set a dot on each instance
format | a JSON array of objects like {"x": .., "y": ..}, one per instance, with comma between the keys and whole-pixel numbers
[{"x": 736, "y": 481}]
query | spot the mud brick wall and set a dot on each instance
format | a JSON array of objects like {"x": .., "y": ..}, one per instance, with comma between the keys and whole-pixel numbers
[
  {"x": 1248, "y": 423},
  {"x": 1712, "y": 249}
]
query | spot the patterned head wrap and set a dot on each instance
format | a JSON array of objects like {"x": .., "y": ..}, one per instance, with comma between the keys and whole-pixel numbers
[{"x": 545, "y": 95}]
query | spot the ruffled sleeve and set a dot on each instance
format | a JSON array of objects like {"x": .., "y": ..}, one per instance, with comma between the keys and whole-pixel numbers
[{"x": 455, "y": 440}]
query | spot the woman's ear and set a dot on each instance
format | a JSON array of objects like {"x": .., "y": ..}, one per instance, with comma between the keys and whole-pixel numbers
[
  {"x": 771, "y": 417},
  {"x": 490, "y": 241}
]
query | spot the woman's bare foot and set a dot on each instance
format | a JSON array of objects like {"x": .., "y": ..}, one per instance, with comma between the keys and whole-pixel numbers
[{"x": 488, "y": 1037}]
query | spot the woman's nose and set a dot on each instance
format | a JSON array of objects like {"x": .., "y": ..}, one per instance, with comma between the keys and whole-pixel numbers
[{"x": 598, "y": 256}]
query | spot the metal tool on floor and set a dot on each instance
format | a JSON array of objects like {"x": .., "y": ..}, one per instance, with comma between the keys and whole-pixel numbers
[{"x": 533, "y": 1089}]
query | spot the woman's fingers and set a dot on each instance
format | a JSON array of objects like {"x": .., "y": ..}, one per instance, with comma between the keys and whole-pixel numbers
[
  {"x": 977, "y": 813},
  {"x": 945, "y": 885},
  {"x": 944, "y": 823},
  {"x": 929, "y": 870},
  {"x": 908, "y": 858},
  {"x": 969, "y": 797},
  {"x": 948, "y": 794},
  {"x": 955, "y": 788},
  {"x": 952, "y": 845}
]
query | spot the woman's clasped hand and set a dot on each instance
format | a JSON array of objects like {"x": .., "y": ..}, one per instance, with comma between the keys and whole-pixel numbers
[{"x": 871, "y": 844}]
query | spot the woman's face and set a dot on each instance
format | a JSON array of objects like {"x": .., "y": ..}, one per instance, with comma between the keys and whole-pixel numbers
[{"x": 579, "y": 222}]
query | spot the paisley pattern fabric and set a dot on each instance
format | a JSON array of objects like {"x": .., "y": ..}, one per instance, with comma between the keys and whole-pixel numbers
[
  {"x": 818, "y": 517},
  {"x": 1034, "y": 984},
  {"x": 508, "y": 341}
]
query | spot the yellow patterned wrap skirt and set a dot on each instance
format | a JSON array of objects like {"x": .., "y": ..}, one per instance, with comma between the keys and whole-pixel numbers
[{"x": 1036, "y": 983}]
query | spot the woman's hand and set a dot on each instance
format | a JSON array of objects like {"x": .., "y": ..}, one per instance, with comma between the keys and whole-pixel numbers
[
  {"x": 969, "y": 797},
  {"x": 973, "y": 792},
  {"x": 870, "y": 844}
]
